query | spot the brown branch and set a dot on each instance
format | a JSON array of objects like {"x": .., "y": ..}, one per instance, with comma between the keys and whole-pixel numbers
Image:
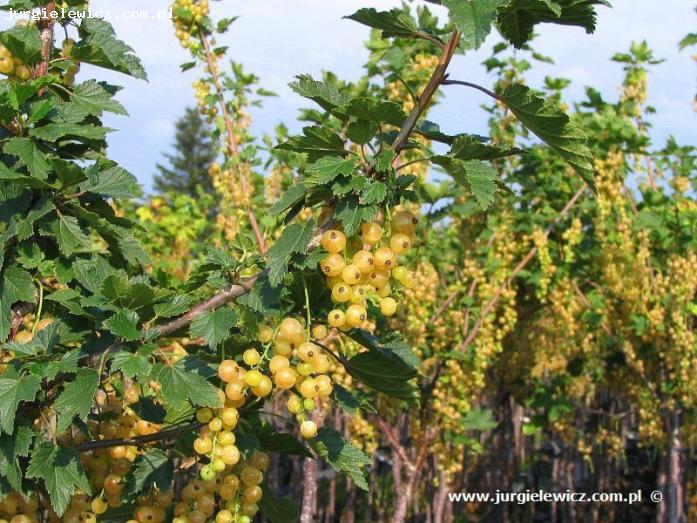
[
  {"x": 223, "y": 297},
  {"x": 434, "y": 82},
  {"x": 309, "y": 500},
  {"x": 444, "y": 305},
  {"x": 46, "y": 28},
  {"x": 214, "y": 302},
  {"x": 232, "y": 142},
  {"x": 521, "y": 265},
  {"x": 392, "y": 439},
  {"x": 406, "y": 493},
  {"x": 137, "y": 440}
]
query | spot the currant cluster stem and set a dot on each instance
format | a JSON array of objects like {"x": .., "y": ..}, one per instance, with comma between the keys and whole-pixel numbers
[{"x": 232, "y": 141}]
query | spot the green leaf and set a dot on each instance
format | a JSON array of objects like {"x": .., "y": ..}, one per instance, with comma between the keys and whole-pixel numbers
[
  {"x": 221, "y": 258},
  {"x": 60, "y": 470},
  {"x": 15, "y": 285},
  {"x": 383, "y": 161},
  {"x": 63, "y": 295},
  {"x": 111, "y": 181},
  {"x": 247, "y": 442},
  {"x": 179, "y": 304},
  {"x": 13, "y": 391},
  {"x": 349, "y": 401},
  {"x": 23, "y": 41},
  {"x": 213, "y": 326},
  {"x": 478, "y": 419},
  {"x": 11, "y": 175},
  {"x": 294, "y": 240},
  {"x": 92, "y": 272},
  {"x": 94, "y": 98},
  {"x": 392, "y": 343},
  {"x": 40, "y": 109},
  {"x": 468, "y": 147},
  {"x": 479, "y": 176},
  {"x": 376, "y": 111},
  {"x": 374, "y": 192},
  {"x": 432, "y": 131},
  {"x": 153, "y": 469},
  {"x": 52, "y": 132},
  {"x": 186, "y": 381},
  {"x": 341, "y": 455},
  {"x": 99, "y": 46},
  {"x": 118, "y": 290},
  {"x": 325, "y": 94},
  {"x": 395, "y": 22},
  {"x": 473, "y": 18},
  {"x": 147, "y": 409},
  {"x": 29, "y": 154},
  {"x": 290, "y": 198},
  {"x": 517, "y": 18},
  {"x": 326, "y": 169},
  {"x": 689, "y": 40},
  {"x": 132, "y": 365},
  {"x": 21, "y": 92},
  {"x": 347, "y": 185},
  {"x": 67, "y": 363},
  {"x": 361, "y": 131},
  {"x": 263, "y": 298},
  {"x": 76, "y": 398},
  {"x": 124, "y": 324},
  {"x": 68, "y": 173},
  {"x": 385, "y": 372},
  {"x": 69, "y": 234},
  {"x": 224, "y": 24},
  {"x": 547, "y": 120},
  {"x": 351, "y": 214},
  {"x": 317, "y": 142},
  {"x": 272, "y": 441},
  {"x": 12, "y": 447},
  {"x": 14, "y": 199},
  {"x": 43, "y": 341},
  {"x": 277, "y": 510},
  {"x": 132, "y": 251},
  {"x": 187, "y": 65}
]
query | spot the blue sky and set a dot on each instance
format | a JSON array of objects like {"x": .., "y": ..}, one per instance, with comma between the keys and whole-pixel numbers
[{"x": 277, "y": 39}]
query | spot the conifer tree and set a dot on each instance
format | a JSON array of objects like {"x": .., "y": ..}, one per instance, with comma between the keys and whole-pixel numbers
[{"x": 187, "y": 171}]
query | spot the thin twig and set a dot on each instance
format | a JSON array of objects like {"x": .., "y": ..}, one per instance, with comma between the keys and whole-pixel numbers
[
  {"x": 336, "y": 356},
  {"x": 474, "y": 86},
  {"x": 521, "y": 265},
  {"x": 137, "y": 440},
  {"x": 214, "y": 302},
  {"x": 232, "y": 142},
  {"x": 433, "y": 39},
  {"x": 392, "y": 439},
  {"x": 412, "y": 162},
  {"x": 444, "y": 305},
  {"x": 437, "y": 77},
  {"x": 222, "y": 297}
]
